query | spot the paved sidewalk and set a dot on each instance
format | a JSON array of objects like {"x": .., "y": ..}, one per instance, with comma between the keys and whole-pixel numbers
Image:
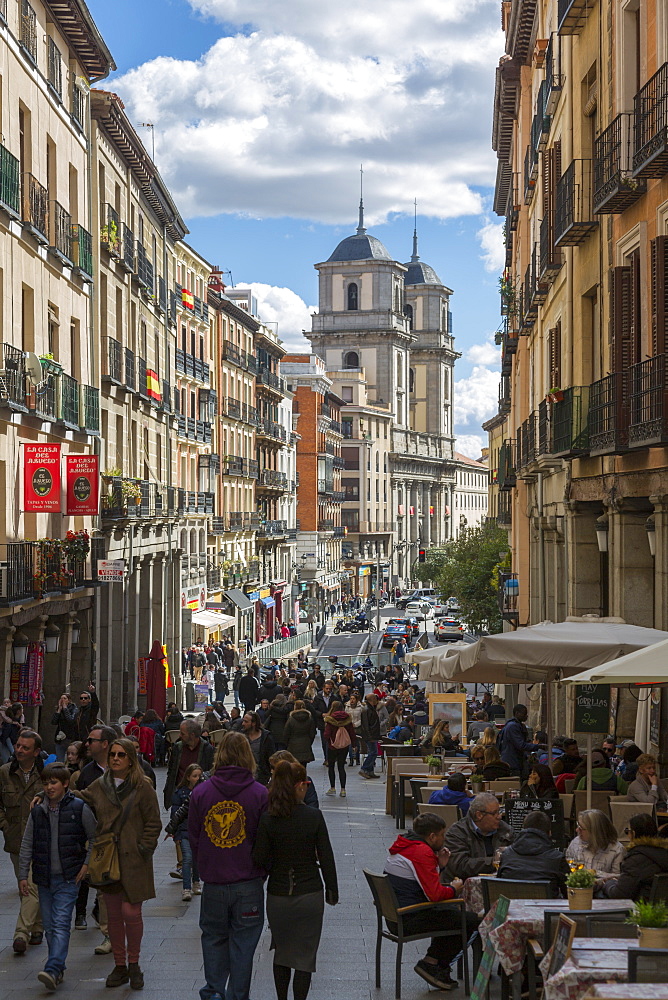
[{"x": 171, "y": 952}]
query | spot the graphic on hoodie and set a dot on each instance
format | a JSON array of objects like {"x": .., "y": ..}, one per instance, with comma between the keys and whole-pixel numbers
[{"x": 225, "y": 824}]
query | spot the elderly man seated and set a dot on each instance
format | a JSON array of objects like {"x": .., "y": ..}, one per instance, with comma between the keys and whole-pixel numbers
[
  {"x": 414, "y": 865},
  {"x": 473, "y": 840}
]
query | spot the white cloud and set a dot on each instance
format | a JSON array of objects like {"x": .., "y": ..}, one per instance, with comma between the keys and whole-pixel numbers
[
  {"x": 470, "y": 445},
  {"x": 285, "y": 307},
  {"x": 493, "y": 251},
  {"x": 276, "y": 117},
  {"x": 476, "y": 397},
  {"x": 484, "y": 354}
]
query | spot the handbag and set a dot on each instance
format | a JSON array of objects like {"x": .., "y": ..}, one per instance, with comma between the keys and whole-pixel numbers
[{"x": 104, "y": 864}]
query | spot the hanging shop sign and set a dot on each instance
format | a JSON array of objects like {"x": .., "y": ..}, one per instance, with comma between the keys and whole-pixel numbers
[
  {"x": 41, "y": 478},
  {"x": 82, "y": 478},
  {"x": 110, "y": 570}
]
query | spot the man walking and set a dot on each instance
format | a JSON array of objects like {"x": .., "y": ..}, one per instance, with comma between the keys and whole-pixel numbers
[
  {"x": 370, "y": 729},
  {"x": 20, "y": 782},
  {"x": 513, "y": 743},
  {"x": 248, "y": 691},
  {"x": 321, "y": 706}
]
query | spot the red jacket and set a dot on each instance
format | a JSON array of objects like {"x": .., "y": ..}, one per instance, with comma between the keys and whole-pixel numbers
[
  {"x": 334, "y": 722},
  {"x": 414, "y": 873}
]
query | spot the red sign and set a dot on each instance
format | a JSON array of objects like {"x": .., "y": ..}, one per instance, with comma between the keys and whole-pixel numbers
[
  {"x": 41, "y": 477},
  {"x": 83, "y": 484}
]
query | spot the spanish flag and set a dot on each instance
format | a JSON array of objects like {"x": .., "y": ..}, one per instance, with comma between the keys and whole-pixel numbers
[
  {"x": 187, "y": 298},
  {"x": 153, "y": 385}
]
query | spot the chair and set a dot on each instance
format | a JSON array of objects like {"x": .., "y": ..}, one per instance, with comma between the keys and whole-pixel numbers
[
  {"x": 492, "y": 888},
  {"x": 123, "y": 720},
  {"x": 602, "y": 925},
  {"x": 569, "y": 785},
  {"x": 399, "y": 792},
  {"x": 503, "y": 785},
  {"x": 450, "y": 814},
  {"x": 584, "y": 920},
  {"x": 417, "y": 784},
  {"x": 427, "y": 790},
  {"x": 621, "y": 813},
  {"x": 172, "y": 735},
  {"x": 386, "y": 906},
  {"x": 567, "y": 800},
  {"x": 648, "y": 965},
  {"x": 217, "y": 736},
  {"x": 658, "y": 892},
  {"x": 599, "y": 800}
]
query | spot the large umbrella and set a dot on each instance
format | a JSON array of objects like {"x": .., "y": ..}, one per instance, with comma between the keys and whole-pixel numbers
[
  {"x": 156, "y": 686},
  {"x": 648, "y": 665}
]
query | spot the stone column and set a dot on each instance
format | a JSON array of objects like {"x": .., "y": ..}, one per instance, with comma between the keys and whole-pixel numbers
[
  {"x": 413, "y": 518},
  {"x": 426, "y": 517},
  {"x": 584, "y": 585},
  {"x": 660, "y": 504},
  {"x": 631, "y": 566}
]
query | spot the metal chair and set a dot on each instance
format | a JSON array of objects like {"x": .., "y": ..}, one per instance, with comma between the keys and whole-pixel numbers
[
  {"x": 621, "y": 813},
  {"x": 450, "y": 814},
  {"x": 599, "y": 800},
  {"x": 585, "y": 920},
  {"x": 386, "y": 906},
  {"x": 658, "y": 892},
  {"x": 604, "y": 926},
  {"x": 492, "y": 888},
  {"x": 417, "y": 784},
  {"x": 648, "y": 965}
]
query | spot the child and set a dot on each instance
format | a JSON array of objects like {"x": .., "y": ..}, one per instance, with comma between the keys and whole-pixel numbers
[
  {"x": 178, "y": 828},
  {"x": 57, "y": 843}
]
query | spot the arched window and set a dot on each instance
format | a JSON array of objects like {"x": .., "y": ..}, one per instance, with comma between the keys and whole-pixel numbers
[
  {"x": 353, "y": 298},
  {"x": 351, "y": 360},
  {"x": 411, "y": 380},
  {"x": 408, "y": 313}
]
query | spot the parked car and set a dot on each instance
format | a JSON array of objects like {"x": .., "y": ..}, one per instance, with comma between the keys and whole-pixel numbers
[
  {"x": 393, "y": 633},
  {"x": 421, "y": 610},
  {"x": 448, "y": 630}
]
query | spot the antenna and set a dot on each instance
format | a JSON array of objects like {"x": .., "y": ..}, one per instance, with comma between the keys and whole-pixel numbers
[{"x": 360, "y": 228}]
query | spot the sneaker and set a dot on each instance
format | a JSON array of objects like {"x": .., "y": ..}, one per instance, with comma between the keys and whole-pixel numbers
[
  {"x": 342, "y": 793},
  {"x": 186, "y": 895},
  {"x": 365, "y": 774},
  {"x": 36, "y": 937},
  {"x": 49, "y": 980},
  {"x": 325, "y": 764},
  {"x": 435, "y": 976},
  {"x": 331, "y": 791},
  {"x": 136, "y": 976},
  {"x": 105, "y": 947},
  {"x": 19, "y": 945},
  {"x": 118, "y": 976},
  {"x": 197, "y": 888},
  {"x": 372, "y": 774},
  {"x": 177, "y": 873},
  {"x": 80, "y": 923}
]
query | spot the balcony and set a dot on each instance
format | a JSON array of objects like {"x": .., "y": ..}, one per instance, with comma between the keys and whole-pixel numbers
[
  {"x": 144, "y": 269},
  {"x": 130, "y": 370},
  {"x": 191, "y": 366},
  {"x": 270, "y": 429},
  {"x": 90, "y": 409},
  {"x": 530, "y": 173},
  {"x": 506, "y": 476},
  {"x": 650, "y": 140},
  {"x": 110, "y": 230},
  {"x": 553, "y": 76},
  {"x": 504, "y": 395},
  {"x": 10, "y": 183},
  {"x": 217, "y": 526},
  {"x": 31, "y": 570},
  {"x": 608, "y": 415},
  {"x": 326, "y": 524},
  {"x": 70, "y": 402},
  {"x": 551, "y": 258},
  {"x": 508, "y": 596},
  {"x": 271, "y": 380},
  {"x": 504, "y": 517},
  {"x": 544, "y": 429},
  {"x": 135, "y": 499},
  {"x": 231, "y": 353},
  {"x": 28, "y": 30},
  {"x": 36, "y": 209},
  {"x": 526, "y": 442},
  {"x": 572, "y": 15},
  {"x": 213, "y": 578},
  {"x": 13, "y": 378},
  {"x": 233, "y": 465},
  {"x": 272, "y": 479},
  {"x": 142, "y": 378},
  {"x": 78, "y": 106},
  {"x": 614, "y": 186},
  {"x": 570, "y": 427},
  {"x": 54, "y": 68},
  {"x": 17, "y": 568},
  {"x": 82, "y": 251},
  {"x": 44, "y": 400},
  {"x": 251, "y": 468},
  {"x": 233, "y": 408},
  {"x": 648, "y": 398},
  {"x": 272, "y": 529},
  {"x": 574, "y": 213},
  {"x": 127, "y": 260},
  {"x": 60, "y": 234}
]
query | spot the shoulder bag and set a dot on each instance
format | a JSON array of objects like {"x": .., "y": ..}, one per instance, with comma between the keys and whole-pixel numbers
[{"x": 104, "y": 865}]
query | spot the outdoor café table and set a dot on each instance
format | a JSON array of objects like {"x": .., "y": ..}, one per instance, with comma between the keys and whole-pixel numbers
[
  {"x": 592, "y": 960},
  {"x": 400, "y": 792},
  {"x": 472, "y": 894},
  {"x": 628, "y": 991}
]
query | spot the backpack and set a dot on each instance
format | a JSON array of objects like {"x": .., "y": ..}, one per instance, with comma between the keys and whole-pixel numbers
[{"x": 342, "y": 739}]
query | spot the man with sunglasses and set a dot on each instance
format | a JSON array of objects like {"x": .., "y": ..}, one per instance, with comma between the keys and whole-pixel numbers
[
  {"x": 473, "y": 841},
  {"x": 86, "y": 716}
]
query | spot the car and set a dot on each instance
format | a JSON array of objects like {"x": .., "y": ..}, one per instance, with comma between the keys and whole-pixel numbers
[
  {"x": 448, "y": 630},
  {"x": 393, "y": 633},
  {"x": 413, "y": 622},
  {"x": 420, "y": 610}
]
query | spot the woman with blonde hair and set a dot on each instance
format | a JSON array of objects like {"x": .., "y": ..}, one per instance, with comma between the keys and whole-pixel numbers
[
  {"x": 488, "y": 738},
  {"x": 125, "y": 803},
  {"x": 596, "y": 844},
  {"x": 494, "y": 768}
]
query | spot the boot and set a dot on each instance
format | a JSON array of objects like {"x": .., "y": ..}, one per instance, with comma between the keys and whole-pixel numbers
[
  {"x": 118, "y": 976},
  {"x": 136, "y": 976}
]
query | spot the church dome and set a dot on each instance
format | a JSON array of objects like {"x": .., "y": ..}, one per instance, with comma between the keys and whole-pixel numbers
[
  {"x": 361, "y": 246},
  {"x": 419, "y": 273}
]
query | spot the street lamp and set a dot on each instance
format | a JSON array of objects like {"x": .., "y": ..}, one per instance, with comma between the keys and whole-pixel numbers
[
  {"x": 52, "y": 638},
  {"x": 602, "y": 533},
  {"x": 650, "y": 528},
  {"x": 20, "y": 648},
  {"x": 75, "y": 625}
]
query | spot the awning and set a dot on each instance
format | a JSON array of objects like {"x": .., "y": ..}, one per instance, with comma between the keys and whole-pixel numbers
[
  {"x": 239, "y": 598},
  {"x": 211, "y": 619},
  {"x": 268, "y": 602}
]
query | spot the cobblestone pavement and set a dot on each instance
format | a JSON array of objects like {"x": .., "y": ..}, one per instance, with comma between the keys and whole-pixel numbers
[{"x": 171, "y": 953}]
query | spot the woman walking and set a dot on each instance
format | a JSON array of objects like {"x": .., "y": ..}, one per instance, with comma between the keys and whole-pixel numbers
[
  {"x": 292, "y": 841},
  {"x": 299, "y": 733},
  {"x": 125, "y": 803},
  {"x": 339, "y": 736}
]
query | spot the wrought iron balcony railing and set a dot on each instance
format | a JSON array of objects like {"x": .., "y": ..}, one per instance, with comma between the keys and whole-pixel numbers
[
  {"x": 614, "y": 186},
  {"x": 82, "y": 251},
  {"x": 10, "y": 182},
  {"x": 28, "y": 30},
  {"x": 54, "y": 67},
  {"x": 13, "y": 377},
  {"x": 506, "y": 475},
  {"x": 36, "y": 208},
  {"x": 650, "y": 140},
  {"x": 648, "y": 399},
  {"x": 70, "y": 401},
  {"x": 526, "y": 442},
  {"x": 60, "y": 233},
  {"x": 574, "y": 211},
  {"x": 570, "y": 427},
  {"x": 114, "y": 357},
  {"x": 609, "y": 415}
]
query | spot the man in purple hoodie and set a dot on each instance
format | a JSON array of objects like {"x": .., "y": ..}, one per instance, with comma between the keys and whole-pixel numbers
[{"x": 222, "y": 823}]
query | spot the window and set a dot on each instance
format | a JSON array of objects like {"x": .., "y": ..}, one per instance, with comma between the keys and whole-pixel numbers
[
  {"x": 408, "y": 313},
  {"x": 353, "y": 298},
  {"x": 411, "y": 380},
  {"x": 347, "y": 393},
  {"x": 351, "y": 360}
]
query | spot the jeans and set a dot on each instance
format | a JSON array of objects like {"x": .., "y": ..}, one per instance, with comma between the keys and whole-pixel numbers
[
  {"x": 236, "y": 698},
  {"x": 372, "y": 753},
  {"x": 231, "y": 919},
  {"x": 57, "y": 902},
  {"x": 188, "y": 864}
]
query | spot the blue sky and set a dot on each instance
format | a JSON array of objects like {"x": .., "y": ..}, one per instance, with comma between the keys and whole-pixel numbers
[{"x": 263, "y": 112}]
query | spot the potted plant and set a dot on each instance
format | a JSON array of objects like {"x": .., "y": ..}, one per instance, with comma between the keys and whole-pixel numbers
[
  {"x": 580, "y": 889},
  {"x": 434, "y": 764},
  {"x": 652, "y": 922},
  {"x": 555, "y": 395},
  {"x": 477, "y": 783}
]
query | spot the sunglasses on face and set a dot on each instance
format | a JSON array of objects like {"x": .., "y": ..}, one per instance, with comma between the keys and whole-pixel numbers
[
  {"x": 84, "y": 697},
  {"x": 117, "y": 753}
]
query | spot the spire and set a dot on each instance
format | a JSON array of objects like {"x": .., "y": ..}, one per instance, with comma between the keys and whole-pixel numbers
[
  {"x": 415, "y": 258},
  {"x": 360, "y": 228}
]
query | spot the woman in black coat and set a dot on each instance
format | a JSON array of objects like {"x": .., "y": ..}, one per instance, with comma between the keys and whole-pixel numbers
[
  {"x": 540, "y": 784},
  {"x": 275, "y": 720},
  {"x": 299, "y": 733},
  {"x": 647, "y": 856}
]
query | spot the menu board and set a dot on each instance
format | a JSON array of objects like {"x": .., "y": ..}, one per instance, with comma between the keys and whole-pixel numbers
[
  {"x": 655, "y": 716},
  {"x": 562, "y": 944},
  {"x": 592, "y": 708},
  {"x": 516, "y": 811}
]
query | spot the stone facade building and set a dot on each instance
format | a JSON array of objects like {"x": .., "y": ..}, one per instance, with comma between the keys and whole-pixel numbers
[{"x": 470, "y": 495}]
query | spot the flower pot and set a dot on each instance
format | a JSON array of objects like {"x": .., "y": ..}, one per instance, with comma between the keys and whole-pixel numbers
[
  {"x": 653, "y": 937},
  {"x": 434, "y": 768},
  {"x": 580, "y": 899}
]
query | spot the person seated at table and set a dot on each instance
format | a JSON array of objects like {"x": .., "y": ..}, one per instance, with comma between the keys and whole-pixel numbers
[
  {"x": 596, "y": 844},
  {"x": 497, "y": 709},
  {"x": 474, "y": 839},
  {"x": 494, "y": 768},
  {"x": 628, "y": 765},
  {"x": 646, "y": 856},
  {"x": 478, "y": 758},
  {"x": 603, "y": 778},
  {"x": 488, "y": 738},
  {"x": 540, "y": 784},
  {"x": 477, "y": 727},
  {"x": 532, "y": 857},
  {"x": 413, "y": 868},
  {"x": 453, "y": 793},
  {"x": 647, "y": 787},
  {"x": 570, "y": 759},
  {"x": 440, "y": 738}
]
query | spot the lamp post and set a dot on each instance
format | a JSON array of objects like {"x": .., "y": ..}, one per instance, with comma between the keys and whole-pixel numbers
[
  {"x": 52, "y": 637},
  {"x": 20, "y": 648},
  {"x": 650, "y": 528},
  {"x": 602, "y": 528}
]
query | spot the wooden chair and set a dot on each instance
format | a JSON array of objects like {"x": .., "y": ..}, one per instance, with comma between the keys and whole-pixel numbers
[
  {"x": 492, "y": 888},
  {"x": 569, "y": 785},
  {"x": 658, "y": 892},
  {"x": 567, "y": 801},
  {"x": 584, "y": 921},
  {"x": 503, "y": 785},
  {"x": 172, "y": 736},
  {"x": 217, "y": 736},
  {"x": 450, "y": 814},
  {"x": 648, "y": 965},
  {"x": 399, "y": 799},
  {"x": 621, "y": 813},
  {"x": 387, "y": 908},
  {"x": 599, "y": 800}
]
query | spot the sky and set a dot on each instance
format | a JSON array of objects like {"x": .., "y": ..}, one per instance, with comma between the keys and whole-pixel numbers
[{"x": 263, "y": 112}]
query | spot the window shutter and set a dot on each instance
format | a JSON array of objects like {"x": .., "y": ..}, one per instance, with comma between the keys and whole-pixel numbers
[
  {"x": 635, "y": 332},
  {"x": 621, "y": 302},
  {"x": 554, "y": 357},
  {"x": 659, "y": 259}
]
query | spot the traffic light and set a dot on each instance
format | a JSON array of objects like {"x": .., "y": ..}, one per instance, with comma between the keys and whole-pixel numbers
[{"x": 422, "y": 555}]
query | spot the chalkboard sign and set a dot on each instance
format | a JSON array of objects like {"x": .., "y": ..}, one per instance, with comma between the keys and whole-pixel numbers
[
  {"x": 516, "y": 811},
  {"x": 655, "y": 716},
  {"x": 562, "y": 943},
  {"x": 592, "y": 708},
  {"x": 489, "y": 955}
]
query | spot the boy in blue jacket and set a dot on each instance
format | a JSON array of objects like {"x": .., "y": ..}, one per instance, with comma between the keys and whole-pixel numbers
[{"x": 453, "y": 794}]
